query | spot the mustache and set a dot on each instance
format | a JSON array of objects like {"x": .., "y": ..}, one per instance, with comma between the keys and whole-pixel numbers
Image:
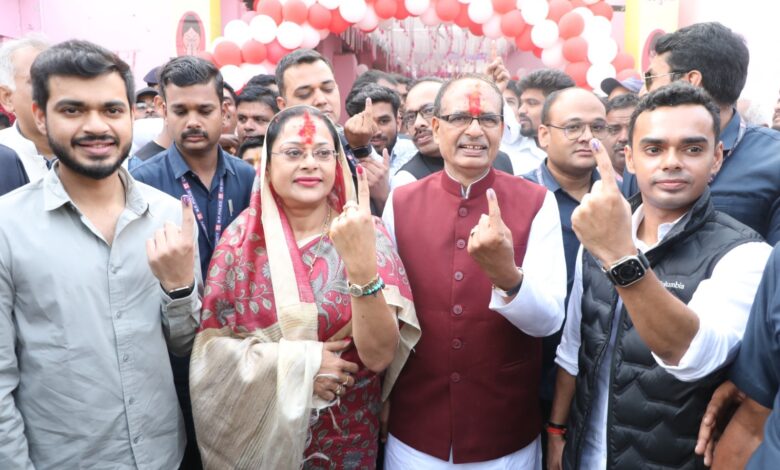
[
  {"x": 194, "y": 133},
  {"x": 88, "y": 139},
  {"x": 676, "y": 175}
]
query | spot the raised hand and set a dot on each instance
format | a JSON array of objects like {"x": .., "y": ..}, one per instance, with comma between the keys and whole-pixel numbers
[
  {"x": 490, "y": 244},
  {"x": 361, "y": 127},
  {"x": 353, "y": 235},
  {"x": 171, "y": 252},
  {"x": 602, "y": 221},
  {"x": 497, "y": 71}
]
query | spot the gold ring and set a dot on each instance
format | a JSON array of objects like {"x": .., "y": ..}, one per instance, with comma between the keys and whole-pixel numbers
[
  {"x": 339, "y": 390},
  {"x": 345, "y": 382}
]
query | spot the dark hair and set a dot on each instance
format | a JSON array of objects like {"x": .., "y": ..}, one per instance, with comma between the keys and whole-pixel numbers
[
  {"x": 550, "y": 100},
  {"x": 263, "y": 80},
  {"x": 676, "y": 94},
  {"x": 512, "y": 86},
  {"x": 297, "y": 57},
  {"x": 373, "y": 76},
  {"x": 547, "y": 80},
  {"x": 230, "y": 90},
  {"x": 624, "y": 101},
  {"x": 258, "y": 94},
  {"x": 402, "y": 79},
  {"x": 77, "y": 58},
  {"x": 714, "y": 50},
  {"x": 467, "y": 76},
  {"x": 250, "y": 143},
  {"x": 280, "y": 119},
  {"x": 5, "y": 122},
  {"x": 356, "y": 99},
  {"x": 189, "y": 70}
]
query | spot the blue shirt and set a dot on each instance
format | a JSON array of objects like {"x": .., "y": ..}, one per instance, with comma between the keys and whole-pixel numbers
[
  {"x": 164, "y": 172},
  {"x": 12, "y": 174},
  {"x": 748, "y": 184},
  {"x": 756, "y": 370},
  {"x": 571, "y": 244}
]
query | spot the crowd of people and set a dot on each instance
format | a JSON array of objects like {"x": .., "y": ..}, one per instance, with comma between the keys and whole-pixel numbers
[{"x": 473, "y": 273}]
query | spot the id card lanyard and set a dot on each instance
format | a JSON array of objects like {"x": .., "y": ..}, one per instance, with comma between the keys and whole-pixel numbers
[{"x": 199, "y": 214}]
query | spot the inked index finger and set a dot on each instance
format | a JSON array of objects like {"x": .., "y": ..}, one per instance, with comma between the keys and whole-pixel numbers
[
  {"x": 187, "y": 218},
  {"x": 604, "y": 165},
  {"x": 494, "y": 211},
  {"x": 368, "y": 111},
  {"x": 364, "y": 193}
]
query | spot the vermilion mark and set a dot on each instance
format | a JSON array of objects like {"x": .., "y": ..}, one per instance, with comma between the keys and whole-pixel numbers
[
  {"x": 308, "y": 130},
  {"x": 475, "y": 105}
]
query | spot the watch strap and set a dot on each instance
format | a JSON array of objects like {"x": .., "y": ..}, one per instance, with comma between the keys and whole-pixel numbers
[
  {"x": 373, "y": 286},
  {"x": 511, "y": 292},
  {"x": 640, "y": 257},
  {"x": 180, "y": 292},
  {"x": 362, "y": 152}
]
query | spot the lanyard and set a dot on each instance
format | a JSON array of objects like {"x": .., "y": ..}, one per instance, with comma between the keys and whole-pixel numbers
[{"x": 199, "y": 214}]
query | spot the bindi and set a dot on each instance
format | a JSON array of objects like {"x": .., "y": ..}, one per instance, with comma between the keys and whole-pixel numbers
[
  {"x": 308, "y": 130},
  {"x": 475, "y": 103}
]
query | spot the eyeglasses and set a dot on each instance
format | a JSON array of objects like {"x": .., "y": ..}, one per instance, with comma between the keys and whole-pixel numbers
[
  {"x": 575, "y": 130},
  {"x": 649, "y": 78},
  {"x": 461, "y": 120},
  {"x": 410, "y": 116},
  {"x": 615, "y": 129},
  {"x": 296, "y": 155}
]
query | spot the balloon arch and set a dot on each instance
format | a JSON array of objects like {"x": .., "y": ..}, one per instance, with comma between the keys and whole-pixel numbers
[{"x": 571, "y": 35}]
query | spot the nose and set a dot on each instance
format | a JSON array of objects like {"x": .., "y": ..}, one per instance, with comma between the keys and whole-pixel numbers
[
  {"x": 587, "y": 134},
  {"x": 623, "y": 136},
  {"x": 193, "y": 121},
  {"x": 671, "y": 160},
  {"x": 474, "y": 129},
  {"x": 419, "y": 121},
  {"x": 318, "y": 98},
  {"x": 95, "y": 124}
]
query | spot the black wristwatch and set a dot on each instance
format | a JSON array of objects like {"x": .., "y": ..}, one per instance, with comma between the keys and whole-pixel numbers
[
  {"x": 180, "y": 292},
  {"x": 628, "y": 270},
  {"x": 362, "y": 152}
]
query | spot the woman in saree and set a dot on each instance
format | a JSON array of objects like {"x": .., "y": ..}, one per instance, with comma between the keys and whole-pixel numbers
[{"x": 301, "y": 314}]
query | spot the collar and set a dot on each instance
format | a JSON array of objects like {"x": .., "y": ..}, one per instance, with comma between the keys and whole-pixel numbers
[
  {"x": 180, "y": 167},
  {"x": 663, "y": 230},
  {"x": 731, "y": 132},
  {"x": 475, "y": 189},
  {"x": 549, "y": 181},
  {"x": 27, "y": 144},
  {"x": 55, "y": 195}
]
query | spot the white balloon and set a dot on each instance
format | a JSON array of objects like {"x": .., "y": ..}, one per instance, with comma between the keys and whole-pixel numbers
[
  {"x": 429, "y": 17},
  {"x": 597, "y": 73},
  {"x": 250, "y": 70},
  {"x": 602, "y": 50},
  {"x": 544, "y": 34},
  {"x": 584, "y": 13},
  {"x": 263, "y": 28},
  {"x": 597, "y": 27},
  {"x": 323, "y": 33},
  {"x": 534, "y": 11},
  {"x": 553, "y": 56},
  {"x": 417, "y": 7},
  {"x": 492, "y": 29},
  {"x": 238, "y": 32},
  {"x": 311, "y": 37},
  {"x": 289, "y": 35},
  {"x": 330, "y": 4},
  {"x": 370, "y": 21},
  {"x": 308, "y": 3},
  {"x": 590, "y": 2},
  {"x": 353, "y": 10},
  {"x": 233, "y": 75},
  {"x": 481, "y": 11},
  {"x": 464, "y": 1}
]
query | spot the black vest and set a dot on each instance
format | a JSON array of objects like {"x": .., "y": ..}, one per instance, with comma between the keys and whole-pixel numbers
[
  {"x": 421, "y": 166},
  {"x": 652, "y": 418}
]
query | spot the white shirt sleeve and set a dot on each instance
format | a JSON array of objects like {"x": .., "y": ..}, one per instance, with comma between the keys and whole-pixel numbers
[
  {"x": 388, "y": 218},
  {"x": 401, "y": 178},
  {"x": 567, "y": 354},
  {"x": 723, "y": 304},
  {"x": 537, "y": 309}
]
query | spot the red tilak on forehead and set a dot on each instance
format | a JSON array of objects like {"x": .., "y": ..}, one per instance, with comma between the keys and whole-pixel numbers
[
  {"x": 308, "y": 130},
  {"x": 475, "y": 105}
]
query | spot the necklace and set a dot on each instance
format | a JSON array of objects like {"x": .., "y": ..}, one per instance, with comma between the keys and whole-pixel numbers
[{"x": 319, "y": 243}]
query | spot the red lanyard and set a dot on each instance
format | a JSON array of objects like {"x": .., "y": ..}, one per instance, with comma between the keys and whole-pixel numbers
[{"x": 199, "y": 215}]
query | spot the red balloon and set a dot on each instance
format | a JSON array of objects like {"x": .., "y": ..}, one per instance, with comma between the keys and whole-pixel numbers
[
  {"x": 475, "y": 28},
  {"x": 319, "y": 17},
  {"x": 462, "y": 19},
  {"x": 447, "y": 10},
  {"x": 338, "y": 24},
  {"x": 503, "y": 6},
  {"x": 295, "y": 11},
  {"x": 578, "y": 3},
  {"x": 276, "y": 51},
  {"x": 385, "y": 8},
  {"x": 558, "y": 8},
  {"x": 205, "y": 55},
  {"x": 623, "y": 61},
  {"x": 401, "y": 12},
  {"x": 575, "y": 49},
  {"x": 578, "y": 71},
  {"x": 523, "y": 42},
  {"x": 571, "y": 24},
  {"x": 227, "y": 53},
  {"x": 602, "y": 8},
  {"x": 512, "y": 24},
  {"x": 537, "y": 52},
  {"x": 253, "y": 52},
  {"x": 270, "y": 8}
]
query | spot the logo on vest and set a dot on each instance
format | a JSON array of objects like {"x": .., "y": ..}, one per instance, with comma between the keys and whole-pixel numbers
[{"x": 673, "y": 285}]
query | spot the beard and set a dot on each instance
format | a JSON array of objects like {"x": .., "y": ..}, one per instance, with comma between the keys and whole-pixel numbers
[{"x": 96, "y": 171}]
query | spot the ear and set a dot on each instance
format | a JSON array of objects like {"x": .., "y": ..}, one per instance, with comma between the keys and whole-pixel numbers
[
  {"x": 225, "y": 109},
  {"x": 159, "y": 104},
  {"x": 629, "y": 160},
  {"x": 693, "y": 77},
  {"x": 435, "y": 129},
  {"x": 543, "y": 135},
  {"x": 5, "y": 98},
  {"x": 40, "y": 118},
  {"x": 718, "y": 161},
  {"x": 281, "y": 103}
]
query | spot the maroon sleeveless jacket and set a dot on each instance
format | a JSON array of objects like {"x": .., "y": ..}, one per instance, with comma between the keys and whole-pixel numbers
[{"x": 472, "y": 381}]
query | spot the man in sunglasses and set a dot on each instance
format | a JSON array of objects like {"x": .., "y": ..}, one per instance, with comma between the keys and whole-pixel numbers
[
  {"x": 484, "y": 257},
  {"x": 417, "y": 117}
]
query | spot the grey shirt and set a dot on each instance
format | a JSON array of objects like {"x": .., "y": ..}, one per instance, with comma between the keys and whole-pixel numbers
[{"x": 85, "y": 380}]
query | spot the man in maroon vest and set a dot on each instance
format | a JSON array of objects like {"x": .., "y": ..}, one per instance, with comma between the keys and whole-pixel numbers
[{"x": 484, "y": 256}]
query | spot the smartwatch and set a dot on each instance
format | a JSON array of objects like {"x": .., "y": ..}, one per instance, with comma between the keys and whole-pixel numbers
[
  {"x": 628, "y": 270},
  {"x": 180, "y": 292},
  {"x": 362, "y": 152}
]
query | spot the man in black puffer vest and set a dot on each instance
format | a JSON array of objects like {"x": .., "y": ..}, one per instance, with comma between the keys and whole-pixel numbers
[{"x": 647, "y": 336}]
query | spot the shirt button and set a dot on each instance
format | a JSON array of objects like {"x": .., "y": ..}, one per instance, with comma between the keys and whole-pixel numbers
[
  {"x": 458, "y": 276},
  {"x": 457, "y": 343},
  {"x": 457, "y": 309},
  {"x": 463, "y": 212},
  {"x": 118, "y": 315},
  {"x": 114, "y": 269},
  {"x": 455, "y": 377},
  {"x": 131, "y": 400},
  {"x": 125, "y": 358},
  {"x": 137, "y": 438},
  {"x": 461, "y": 243}
]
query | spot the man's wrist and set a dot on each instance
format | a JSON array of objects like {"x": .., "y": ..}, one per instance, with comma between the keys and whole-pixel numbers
[
  {"x": 168, "y": 286},
  {"x": 510, "y": 280}
]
